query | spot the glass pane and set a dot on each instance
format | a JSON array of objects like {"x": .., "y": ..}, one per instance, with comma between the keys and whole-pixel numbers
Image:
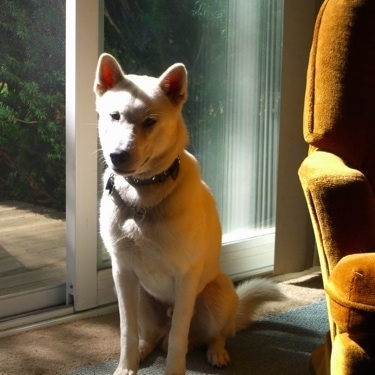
[
  {"x": 251, "y": 125},
  {"x": 32, "y": 145},
  {"x": 232, "y": 51}
]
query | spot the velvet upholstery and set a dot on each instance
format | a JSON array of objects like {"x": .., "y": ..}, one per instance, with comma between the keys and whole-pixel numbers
[{"x": 338, "y": 179}]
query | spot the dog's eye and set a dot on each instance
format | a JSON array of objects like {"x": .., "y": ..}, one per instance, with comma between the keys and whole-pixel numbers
[
  {"x": 115, "y": 115},
  {"x": 149, "y": 122}
]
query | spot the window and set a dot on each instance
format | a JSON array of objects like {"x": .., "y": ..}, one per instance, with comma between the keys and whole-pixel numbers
[{"x": 32, "y": 156}]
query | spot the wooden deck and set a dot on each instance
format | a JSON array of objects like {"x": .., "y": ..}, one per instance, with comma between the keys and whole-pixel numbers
[{"x": 32, "y": 247}]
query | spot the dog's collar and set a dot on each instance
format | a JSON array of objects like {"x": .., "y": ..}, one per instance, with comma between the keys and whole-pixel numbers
[
  {"x": 139, "y": 213},
  {"x": 172, "y": 171}
]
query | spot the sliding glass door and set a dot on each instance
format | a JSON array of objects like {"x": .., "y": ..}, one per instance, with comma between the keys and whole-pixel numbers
[
  {"x": 232, "y": 50},
  {"x": 32, "y": 156}
]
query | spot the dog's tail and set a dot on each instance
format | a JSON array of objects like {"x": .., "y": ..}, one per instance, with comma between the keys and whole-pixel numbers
[{"x": 252, "y": 294}]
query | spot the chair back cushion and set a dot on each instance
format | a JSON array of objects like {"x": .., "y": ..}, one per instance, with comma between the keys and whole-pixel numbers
[{"x": 339, "y": 114}]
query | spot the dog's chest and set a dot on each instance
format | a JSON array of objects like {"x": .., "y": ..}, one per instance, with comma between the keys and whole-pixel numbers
[{"x": 141, "y": 250}]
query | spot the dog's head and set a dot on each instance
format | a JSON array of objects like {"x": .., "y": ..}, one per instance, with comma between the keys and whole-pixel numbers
[{"x": 141, "y": 129}]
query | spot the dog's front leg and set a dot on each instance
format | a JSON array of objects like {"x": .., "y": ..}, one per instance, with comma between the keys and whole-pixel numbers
[
  {"x": 127, "y": 288},
  {"x": 185, "y": 295}
]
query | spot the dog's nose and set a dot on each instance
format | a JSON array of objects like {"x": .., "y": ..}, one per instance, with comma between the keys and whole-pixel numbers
[{"x": 119, "y": 157}]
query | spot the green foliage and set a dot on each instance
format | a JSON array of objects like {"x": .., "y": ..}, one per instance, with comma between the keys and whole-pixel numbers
[{"x": 32, "y": 101}]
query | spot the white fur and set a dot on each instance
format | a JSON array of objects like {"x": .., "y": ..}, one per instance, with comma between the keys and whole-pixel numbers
[{"x": 165, "y": 264}]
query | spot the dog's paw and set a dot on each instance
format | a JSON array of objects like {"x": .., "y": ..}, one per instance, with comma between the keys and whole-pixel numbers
[
  {"x": 218, "y": 357},
  {"x": 123, "y": 371}
]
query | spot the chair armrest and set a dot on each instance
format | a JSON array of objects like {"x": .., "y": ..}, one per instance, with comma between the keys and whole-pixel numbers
[
  {"x": 351, "y": 288},
  {"x": 342, "y": 207}
]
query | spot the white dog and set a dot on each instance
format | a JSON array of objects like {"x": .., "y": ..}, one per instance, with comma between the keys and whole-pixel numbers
[{"x": 159, "y": 222}]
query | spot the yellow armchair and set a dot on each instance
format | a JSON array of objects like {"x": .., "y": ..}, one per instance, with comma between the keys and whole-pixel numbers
[{"x": 338, "y": 179}]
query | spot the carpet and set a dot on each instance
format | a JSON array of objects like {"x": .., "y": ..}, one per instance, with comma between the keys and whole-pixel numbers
[
  {"x": 279, "y": 341},
  {"x": 279, "y": 345}
]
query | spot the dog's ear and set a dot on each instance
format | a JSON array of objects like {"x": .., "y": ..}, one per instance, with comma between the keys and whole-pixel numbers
[
  {"x": 174, "y": 83},
  {"x": 108, "y": 74}
]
